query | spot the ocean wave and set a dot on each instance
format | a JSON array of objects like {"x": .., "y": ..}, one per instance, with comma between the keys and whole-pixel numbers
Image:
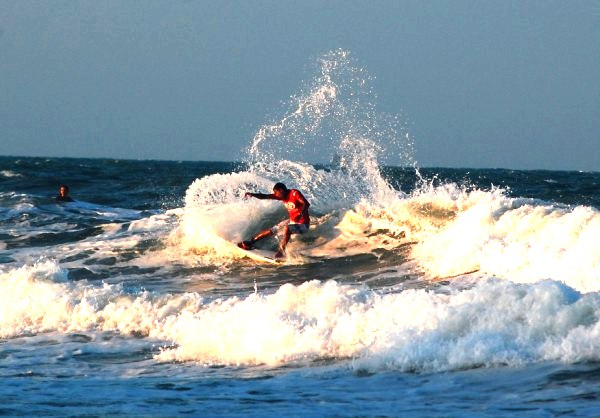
[
  {"x": 518, "y": 239},
  {"x": 495, "y": 322},
  {"x": 451, "y": 229}
]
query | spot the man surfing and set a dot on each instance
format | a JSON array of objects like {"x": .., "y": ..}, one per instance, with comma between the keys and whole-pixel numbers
[{"x": 299, "y": 221}]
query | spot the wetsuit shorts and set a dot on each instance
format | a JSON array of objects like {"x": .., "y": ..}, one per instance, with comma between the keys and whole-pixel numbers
[{"x": 293, "y": 228}]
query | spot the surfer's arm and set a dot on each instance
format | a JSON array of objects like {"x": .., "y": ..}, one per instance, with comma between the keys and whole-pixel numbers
[
  {"x": 301, "y": 202},
  {"x": 302, "y": 205},
  {"x": 261, "y": 196}
]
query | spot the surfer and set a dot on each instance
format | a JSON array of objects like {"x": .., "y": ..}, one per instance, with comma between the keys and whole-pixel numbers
[
  {"x": 63, "y": 194},
  {"x": 299, "y": 221}
]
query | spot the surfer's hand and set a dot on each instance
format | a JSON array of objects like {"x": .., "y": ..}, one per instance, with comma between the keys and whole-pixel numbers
[{"x": 247, "y": 195}]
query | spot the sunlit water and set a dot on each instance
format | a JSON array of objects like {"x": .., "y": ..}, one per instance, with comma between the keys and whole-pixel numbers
[
  {"x": 426, "y": 292},
  {"x": 130, "y": 305}
]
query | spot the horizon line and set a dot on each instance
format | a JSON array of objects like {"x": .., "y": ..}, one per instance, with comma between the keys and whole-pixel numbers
[{"x": 313, "y": 164}]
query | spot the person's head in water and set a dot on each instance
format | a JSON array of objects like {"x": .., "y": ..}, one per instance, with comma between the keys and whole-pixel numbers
[
  {"x": 280, "y": 190},
  {"x": 63, "y": 194},
  {"x": 63, "y": 190}
]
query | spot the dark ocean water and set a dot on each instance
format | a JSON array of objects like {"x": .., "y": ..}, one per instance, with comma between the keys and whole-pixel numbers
[{"x": 437, "y": 292}]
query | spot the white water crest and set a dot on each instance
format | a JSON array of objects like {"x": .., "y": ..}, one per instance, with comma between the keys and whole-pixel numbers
[
  {"x": 517, "y": 239},
  {"x": 455, "y": 230},
  {"x": 495, "y": 322}
]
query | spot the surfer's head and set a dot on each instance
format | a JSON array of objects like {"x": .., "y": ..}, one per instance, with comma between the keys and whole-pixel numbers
[{"x": 280, "y": 190}]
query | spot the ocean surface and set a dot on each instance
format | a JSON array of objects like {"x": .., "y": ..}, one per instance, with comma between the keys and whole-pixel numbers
[
  {"x": 441, "y": 293},
  {"x": 416, "y": 292}
]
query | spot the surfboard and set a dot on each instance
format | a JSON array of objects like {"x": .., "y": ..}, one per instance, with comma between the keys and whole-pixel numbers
[{"x": 265, "y": 256}]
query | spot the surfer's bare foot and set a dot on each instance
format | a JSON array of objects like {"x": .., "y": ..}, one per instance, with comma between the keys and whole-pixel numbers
[
  {"x": 279, "y": 254},
  {"x": 246, "y": 245}
]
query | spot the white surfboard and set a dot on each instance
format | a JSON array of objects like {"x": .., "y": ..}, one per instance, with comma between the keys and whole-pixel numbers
[{"x": 265, "y": 256}]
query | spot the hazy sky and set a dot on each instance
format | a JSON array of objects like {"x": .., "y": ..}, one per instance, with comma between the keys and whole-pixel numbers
[{"x": 512, "y": 84}]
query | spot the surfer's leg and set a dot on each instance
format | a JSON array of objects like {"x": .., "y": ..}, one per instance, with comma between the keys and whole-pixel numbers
[
  {"x": 287, "y": 233},
  {"x": 262, "y": 235},
  {"x": 284, "y": 241},
  {"x": 249, "y": 244}
]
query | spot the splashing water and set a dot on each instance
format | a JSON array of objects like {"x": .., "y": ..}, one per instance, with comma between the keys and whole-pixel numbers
[
  {"x": 452, "y": 229},
  {"x": 332, "y": 121},
  {"x": 335, "y": 106}
]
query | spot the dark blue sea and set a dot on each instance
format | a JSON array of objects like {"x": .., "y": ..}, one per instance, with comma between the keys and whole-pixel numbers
[{"x": 416, "y": 292}]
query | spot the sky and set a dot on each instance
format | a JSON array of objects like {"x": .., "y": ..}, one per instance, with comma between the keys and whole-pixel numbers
[{"x": 479, "y": 84}]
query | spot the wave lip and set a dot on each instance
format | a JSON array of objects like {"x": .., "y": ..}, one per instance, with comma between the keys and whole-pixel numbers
[{"x": 517, "y": 239}]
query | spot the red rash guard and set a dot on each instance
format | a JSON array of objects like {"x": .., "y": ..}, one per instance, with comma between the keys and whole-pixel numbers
[{"x": 295, "y": 201}]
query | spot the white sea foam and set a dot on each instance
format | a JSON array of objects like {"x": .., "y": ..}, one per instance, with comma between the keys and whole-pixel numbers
[
  {"x": 495, "y": 322},
  {"x": 517, "y": 239},
  {"x": 9, "y": 174},
  {"x": 38, "y": 298}
]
